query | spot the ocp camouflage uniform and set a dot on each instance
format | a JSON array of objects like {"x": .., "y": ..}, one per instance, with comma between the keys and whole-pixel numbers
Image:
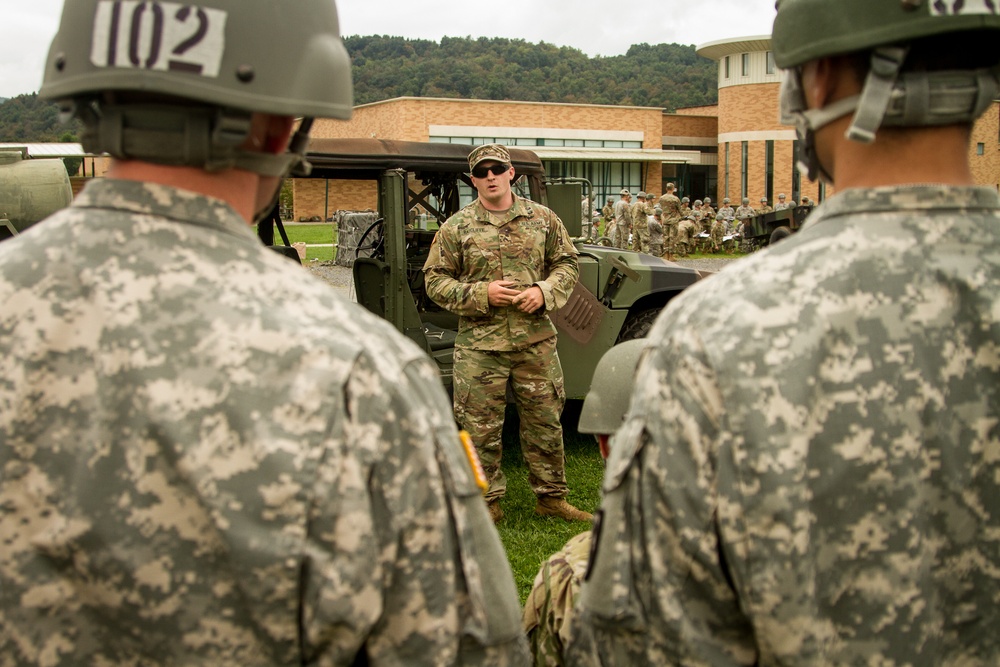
[
  {"x": 529, "y": 246},
  {"x": 640, "y": 226},
  {"x": 686, "y": 231},
  {"x": 671, "y": 207},
  {"x": 549, "y": 607},
  {"x": 717, "y": 234},
  {"x": 656, "y": 234},
  {"x": 608, "y": 213},
  {"x": 199, "y": 469},
  {"x": 809, "y": 475}
]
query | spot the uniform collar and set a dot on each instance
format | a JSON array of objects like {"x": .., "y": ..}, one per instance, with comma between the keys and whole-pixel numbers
[{"x": 520, "y": 208}]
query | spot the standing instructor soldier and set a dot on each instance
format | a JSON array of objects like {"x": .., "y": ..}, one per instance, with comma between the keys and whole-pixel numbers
[
  {"x": 502, "y": 264},
  {"x": 208, "y": 457}
]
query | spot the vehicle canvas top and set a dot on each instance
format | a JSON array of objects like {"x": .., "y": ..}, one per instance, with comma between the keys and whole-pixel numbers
[{"x": 371, "y": 156}]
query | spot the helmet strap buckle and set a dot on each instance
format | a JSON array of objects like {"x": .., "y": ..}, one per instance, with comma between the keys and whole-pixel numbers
[{"x": 886, "y": 62}]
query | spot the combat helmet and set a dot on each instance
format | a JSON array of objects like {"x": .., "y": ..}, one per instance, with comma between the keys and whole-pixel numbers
[
  {"x": 885, "y": 31},
  {"x": 176, "y": 84},
  {"x": 607, "y": 401}
]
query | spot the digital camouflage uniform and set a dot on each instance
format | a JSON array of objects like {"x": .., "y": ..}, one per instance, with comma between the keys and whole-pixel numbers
[
  {"x": 670, "y": 204},
  {"x": 208, "y": 457},
  {"x": 745, "y": 212},
  {"x": 549, "y": 607},
  {"x": 728, "y": 213},
  {"x": 809, "y": 471},
  {"x": 530, "y": 247},
  {"x": 623, "y": 224}
]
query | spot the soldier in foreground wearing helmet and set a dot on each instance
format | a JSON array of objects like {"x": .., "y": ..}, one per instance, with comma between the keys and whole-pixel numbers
[
  {"x": 502, "y": 264},
  {"x": 809, "y": 475},
  {"x": 549, "y": 606},
  {"x": 198, "y": 469}
]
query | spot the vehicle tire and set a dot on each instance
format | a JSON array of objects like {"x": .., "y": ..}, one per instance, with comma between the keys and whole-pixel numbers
[
  {"x": 638, "y": 324},
  {"x": 778, "y": 234}
]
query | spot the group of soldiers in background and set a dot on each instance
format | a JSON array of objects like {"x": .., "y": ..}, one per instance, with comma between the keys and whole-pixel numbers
[{"x": 672, "y": 226}]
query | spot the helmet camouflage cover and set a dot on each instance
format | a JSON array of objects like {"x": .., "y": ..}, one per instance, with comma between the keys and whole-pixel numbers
[{"x": 607, "y": 401}]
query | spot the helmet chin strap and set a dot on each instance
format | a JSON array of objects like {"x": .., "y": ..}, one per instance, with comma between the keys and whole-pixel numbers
[{"x": 296, "y": 164}]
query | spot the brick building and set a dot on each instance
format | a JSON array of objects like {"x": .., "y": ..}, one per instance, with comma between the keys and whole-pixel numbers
[
  {"x": 736, "y": 148},
  {"x": 613, "y": 147}
]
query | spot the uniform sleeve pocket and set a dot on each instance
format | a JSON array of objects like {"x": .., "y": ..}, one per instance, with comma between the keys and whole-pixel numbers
[
  {"x": 612, "y": 595},
  {"x": 625, "y": 446}
]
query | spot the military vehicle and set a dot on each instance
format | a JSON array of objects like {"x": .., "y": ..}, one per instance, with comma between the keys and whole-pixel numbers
[
  {"x": 618, "y": 295},
  {"x": 30, "y": 190},
  {"x": 775, "y": 225}
]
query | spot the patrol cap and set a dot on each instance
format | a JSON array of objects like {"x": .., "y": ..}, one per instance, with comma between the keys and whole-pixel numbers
[
  {"x": 495, "y": 152},
  {"x": 607, "y": 401}
]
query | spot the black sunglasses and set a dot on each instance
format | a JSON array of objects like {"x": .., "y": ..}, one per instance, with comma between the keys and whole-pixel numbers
[{"x": 496, "y": 170}]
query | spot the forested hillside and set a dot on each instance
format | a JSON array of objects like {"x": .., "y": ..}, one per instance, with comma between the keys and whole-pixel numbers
[
  {"x": 662, "y": 75},
  {"x": 31, "y": 120},
  {"x": 670, "y": 76}
]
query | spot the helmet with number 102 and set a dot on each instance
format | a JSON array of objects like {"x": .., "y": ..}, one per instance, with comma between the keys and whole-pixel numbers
[{"x": 240, "y": 56}]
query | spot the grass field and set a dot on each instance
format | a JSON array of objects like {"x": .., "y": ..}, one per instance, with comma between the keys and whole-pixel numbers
[
  {"x": 312, "y": 234},
  {"x": 530, "y": 539}
]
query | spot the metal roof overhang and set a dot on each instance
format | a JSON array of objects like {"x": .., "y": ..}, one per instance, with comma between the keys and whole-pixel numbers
[{"x": 614, "y": 154}]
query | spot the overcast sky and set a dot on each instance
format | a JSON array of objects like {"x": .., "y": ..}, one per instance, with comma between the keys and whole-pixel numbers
[{"x": 596, "y": 27}]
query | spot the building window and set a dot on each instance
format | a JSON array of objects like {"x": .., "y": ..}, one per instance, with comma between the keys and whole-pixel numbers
[
  {"x": 726, "y": 66},
  {"x": 726, "y": 191},
  {"x": 770, "y": 62},
  {"x": 746, "y": 64},
  {"x": 980, "y": 149},
  {"x": 744, "y": 163},
  {"x": 796, "y": 175},
  {"x": 769, "y": 170}
]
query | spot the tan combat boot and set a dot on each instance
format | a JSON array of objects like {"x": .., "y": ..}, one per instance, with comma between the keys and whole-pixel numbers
[
  {"x": 550, "y": 506},
  {"x": 495, "y": 512}
]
